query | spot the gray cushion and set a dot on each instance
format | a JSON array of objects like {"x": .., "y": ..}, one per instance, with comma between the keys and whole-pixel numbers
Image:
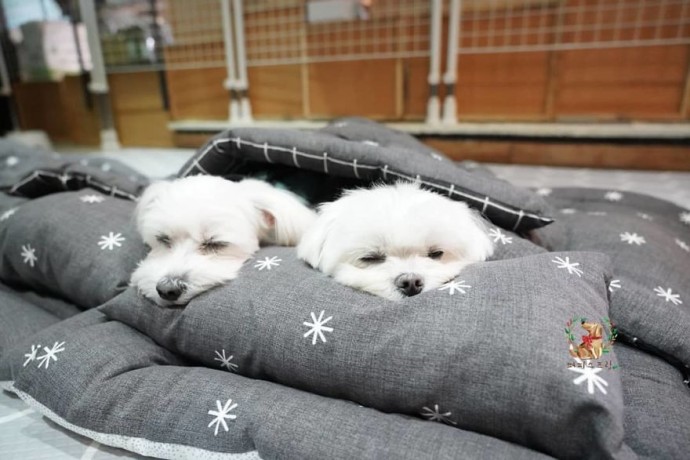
[
  {"x": 657, "y": 404},
  {"x": 649, "y": 245},
  {"x": 115, "y": 385},
  {"x": 81, "y": 246},
  {"x": 362, "y": 150},
  {"x": 487, "y": 350}
]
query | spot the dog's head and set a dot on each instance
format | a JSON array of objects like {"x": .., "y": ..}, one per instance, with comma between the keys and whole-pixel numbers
[
  {"x": 395, "y": 241},
  {"x": 201, "y": 230}
]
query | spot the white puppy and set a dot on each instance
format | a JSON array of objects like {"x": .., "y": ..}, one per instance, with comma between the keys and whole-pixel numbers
[
  {"x": 395, "y": 241},
  {"x": 201, "y": 230}
]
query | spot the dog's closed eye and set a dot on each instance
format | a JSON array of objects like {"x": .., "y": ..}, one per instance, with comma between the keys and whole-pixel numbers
[
  {"x": 373, "y": 258},
  {"x": 213, "y": 245},
  {"x": 164, "y": 240},
  {"x": 435, "y": 254}
]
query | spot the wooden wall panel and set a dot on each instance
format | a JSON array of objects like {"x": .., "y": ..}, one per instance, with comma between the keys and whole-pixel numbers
[
  {"x": 502, "y": 85},
  {"x": 644, "y": 82},
  {"x": 416, "y": 88},
  {"x": 276, "y": 91},
  {"x": 198, "y": 94},
  {"x": 364, "y": 88},
  {"x": 59, "y": 109}
]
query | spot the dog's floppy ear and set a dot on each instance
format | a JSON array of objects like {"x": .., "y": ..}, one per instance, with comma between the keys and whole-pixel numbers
[
  {"x": 147, "y": 201},
  {"x": 283, "y": 216},
  {"x": 477, "y": 243},
  {"x": 310, "y": 249}
]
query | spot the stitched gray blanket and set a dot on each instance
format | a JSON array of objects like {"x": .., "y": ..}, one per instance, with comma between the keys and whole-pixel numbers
[{"x": 285, "y": 363}]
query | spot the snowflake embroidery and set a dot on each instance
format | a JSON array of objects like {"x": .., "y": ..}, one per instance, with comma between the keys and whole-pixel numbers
[
  {"x": 267, "y": 263},
  {"x": 221, "y": 414},
  {"x": 29, "y": 255},
  {"x": 613, "y": 196},
  {"x": 31, "y": 356},
  {"x": 49, "y": 353},
  {"x": 317, "y": 327},
  {"x": 685, "y": 217},
  {"x": 106, "y": 167},
  {"x": 110, "y": 241},
  {"x": 668, "y": 295},
  {"x": 632, "y": 238},
  {"x": 90, "y": 199},
  {"x": 570, "y": 266},
  {"x": 683, "y": 245},
  {"x": 436, "y": 156},
  {"x": 435, "y": 415},
  {"x": 498, "y": 235},
  {"x": 644, "y": 216},
  {"x": 589, "y": 375},
  {"x": 568, "y": 211},
  {"x": 11, "y": 161},
  {"x": 225, "y": 361},
  {"x": 453, "y": 286},
  {"x": 7, "y": 214},
  {"x": 368, "y": 142},
  {"x": 544, "y": 191},
  {"x": 614, "y": 284}
]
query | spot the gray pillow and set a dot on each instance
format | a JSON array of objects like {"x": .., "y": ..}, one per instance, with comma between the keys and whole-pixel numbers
[
  {"x": 657, "y": 404},
  {"x": 80, "y": 246},
  {"x": 116, "y": 386},
  {"x": 649, "y": 245},
  {"x": 361, "y": 150},
  {"x": 484, "y": 353}
]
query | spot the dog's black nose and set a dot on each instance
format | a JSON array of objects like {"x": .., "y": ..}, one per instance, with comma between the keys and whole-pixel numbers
[
  {"x": 170, "y": 288},
  {"x": 409, "y": 284}
]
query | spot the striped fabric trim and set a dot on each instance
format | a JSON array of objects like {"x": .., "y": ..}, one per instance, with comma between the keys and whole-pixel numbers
[
  {"x": 41, "y": 179},
  {"x": 481, "y": 202}
]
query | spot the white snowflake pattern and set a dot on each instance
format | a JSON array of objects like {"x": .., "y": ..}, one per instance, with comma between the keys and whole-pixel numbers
[
  {"x": 613, "y": 196},
  {"x": 221, "y": 414},
  {"x": 614, "y": 284},
  {"x": 11, "y": 161},
  {"x": 544, "y": 191},
  {"x": 683, "y": 245},
  {"x": 50, "y": 353},
  {"x": 91, "y": 199},
  {"x": 317, "y": 327},
  {"x": 368, "y": 142},
  {"x": 268, "y": 263},
  {"x": 32, "y": 355},
  {"x": 435, "y": 415},
  {"x": 644, "y": 216},
  {"x": 684, "y": 217},
  {"x": 568, "y": 265},
  {"x": 110, "y": 241},
  {"x": 668, "y": 295},
  {"x": 29, "y": 255},
  {"x": 589, "y": 375},
  {"x": 454, "y": 286},
  {"x": 632, "y": 238},
  {"x": 596, "y": 213},
  {"x": 225, "y": 361},
  {"x": 436, "y": 156},
  {"x": 106, "y": 167},
  {"x": 568, "y": 211},
  {"x": 498, "y": 235},
  {"x": 7, "y": 214}
]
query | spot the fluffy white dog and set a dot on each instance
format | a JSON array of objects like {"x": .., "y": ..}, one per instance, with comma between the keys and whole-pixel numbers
[
  {"x": 395, "y": 241},
  {"x": 201, "y": 229}
]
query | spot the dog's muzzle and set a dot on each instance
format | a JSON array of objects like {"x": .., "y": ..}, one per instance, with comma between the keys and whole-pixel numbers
[
  {"x": 409, "y": 284},
  {"x": 171, "y": 288}
]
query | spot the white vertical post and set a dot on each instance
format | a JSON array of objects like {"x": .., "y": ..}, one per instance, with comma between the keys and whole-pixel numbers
[
  {"x": 433, "y": 106},
  {"x": 449, "y": 78},
  {"x": 99, "y": 82},
  {"x": 231, "y": 81},
  {"x": 242, "y": 80}
]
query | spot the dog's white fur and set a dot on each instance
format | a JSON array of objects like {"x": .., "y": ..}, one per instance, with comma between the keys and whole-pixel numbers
[
  {"x": 403, "y": 223},
  {"x": 178, "y": 219}
]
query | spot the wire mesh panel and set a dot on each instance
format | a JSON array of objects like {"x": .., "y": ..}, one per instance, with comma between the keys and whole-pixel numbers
[
  {"x": 280, "y": 32},
  {"x": 530, "y": 25}
]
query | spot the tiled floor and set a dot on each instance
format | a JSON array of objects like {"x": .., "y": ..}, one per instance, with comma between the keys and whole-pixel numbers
[{"x": 672, "y": 186}]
